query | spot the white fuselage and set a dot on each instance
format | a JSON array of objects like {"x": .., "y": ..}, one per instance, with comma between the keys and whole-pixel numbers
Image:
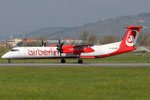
[{"x": 52, "y": 52}]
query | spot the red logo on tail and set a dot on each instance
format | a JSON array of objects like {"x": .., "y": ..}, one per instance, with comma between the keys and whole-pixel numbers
[{"x": 130, "y": 38}]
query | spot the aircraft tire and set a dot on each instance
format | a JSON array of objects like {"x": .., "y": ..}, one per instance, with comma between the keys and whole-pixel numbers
[
  {"x": 9, "y": 61},
  {"x": 80, "y": 61},
  {"x": 63, "y": 61}
]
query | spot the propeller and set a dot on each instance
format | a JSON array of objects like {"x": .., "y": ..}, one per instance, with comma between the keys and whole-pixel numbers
[
  {"x": 59, "y": 47},
  {"x": 43, "y": 44}
]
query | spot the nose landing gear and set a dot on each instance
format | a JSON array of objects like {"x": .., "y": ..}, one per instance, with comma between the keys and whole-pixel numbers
[{"x": 9, "y": 61}]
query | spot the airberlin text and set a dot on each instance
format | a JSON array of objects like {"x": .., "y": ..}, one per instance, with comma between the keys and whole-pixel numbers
[{"x": 43, "y": 52}]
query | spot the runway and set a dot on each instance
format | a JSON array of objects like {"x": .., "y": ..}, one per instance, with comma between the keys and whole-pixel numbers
[{"x": 75, "y": 65}]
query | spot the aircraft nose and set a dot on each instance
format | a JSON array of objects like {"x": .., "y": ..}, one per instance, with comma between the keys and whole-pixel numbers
[{"x": 5, "y": 56}]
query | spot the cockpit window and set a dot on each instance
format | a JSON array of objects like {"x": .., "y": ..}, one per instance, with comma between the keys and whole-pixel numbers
[{"x": 14, "y": 50}]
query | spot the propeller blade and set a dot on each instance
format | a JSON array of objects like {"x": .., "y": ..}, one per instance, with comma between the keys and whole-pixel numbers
[
  {"x": 59, "y": 46},
  {"x": 59, "y": 41},
  {"x": 42, "y": 43}
]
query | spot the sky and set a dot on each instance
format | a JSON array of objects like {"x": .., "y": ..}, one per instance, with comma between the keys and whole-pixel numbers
[{"x": 23, "y": 16}]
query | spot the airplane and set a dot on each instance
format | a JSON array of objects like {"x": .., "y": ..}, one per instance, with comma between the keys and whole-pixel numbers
[{"x": 61, "y": 51}]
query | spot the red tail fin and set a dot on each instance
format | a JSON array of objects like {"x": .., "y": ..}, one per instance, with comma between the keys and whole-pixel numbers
[{"x": 131, "y": 37}]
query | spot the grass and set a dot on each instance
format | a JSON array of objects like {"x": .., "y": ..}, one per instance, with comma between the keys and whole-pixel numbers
[
  {"x": 74, "y": 83},
  {"x": 133, "y": 57}
]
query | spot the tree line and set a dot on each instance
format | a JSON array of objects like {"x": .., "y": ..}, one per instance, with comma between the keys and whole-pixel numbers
[{"x": 88, "y": 37}]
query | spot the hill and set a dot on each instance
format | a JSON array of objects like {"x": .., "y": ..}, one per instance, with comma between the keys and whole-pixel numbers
[{"x": 103, "y": 27}]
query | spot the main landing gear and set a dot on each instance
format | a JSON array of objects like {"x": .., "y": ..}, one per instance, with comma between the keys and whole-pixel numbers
[
  {"x": 80, "y": 61},
  {"x": 9, "y": 61},
  {"x": 63, "y": 61}
]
